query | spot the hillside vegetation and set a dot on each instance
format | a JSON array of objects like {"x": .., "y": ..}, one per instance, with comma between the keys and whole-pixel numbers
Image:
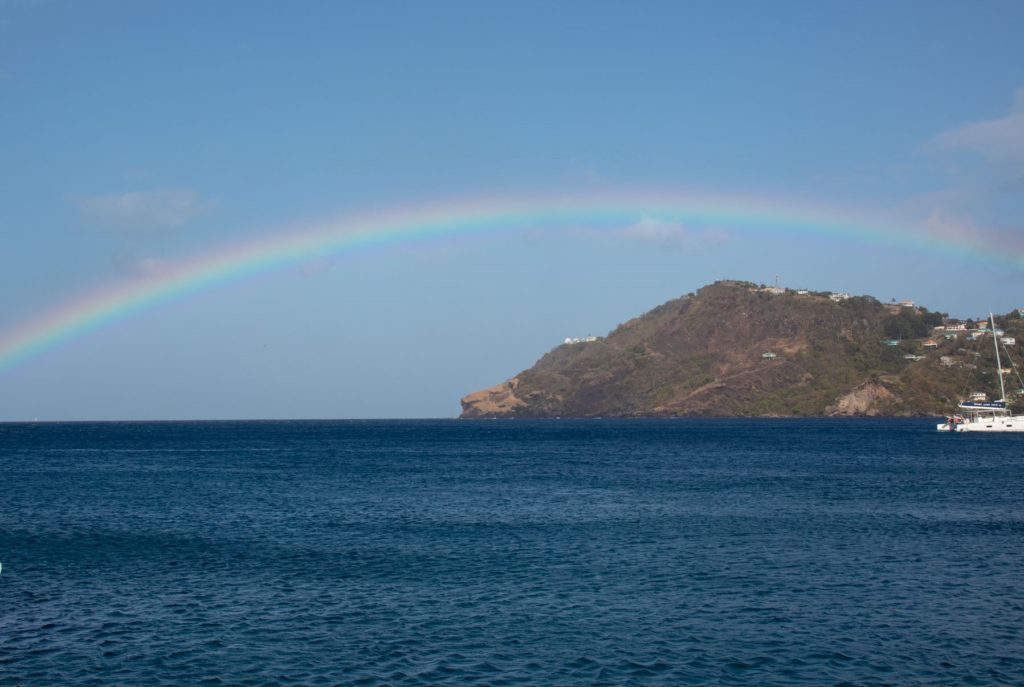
[{"x": 737, "y": 349}]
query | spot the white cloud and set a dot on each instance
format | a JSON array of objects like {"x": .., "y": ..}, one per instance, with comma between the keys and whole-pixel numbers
[
  {"x": 144, "y": 210},
  {"x": 999, "y": 139},
  {"x": 952, "y": 214},
  {"x": 672, "y": 234},
  {"x": 978, "y": 187},
  {"x": 142, "y": 268},
  {"x": 950, "y": 198},
  {"x": 955, "y": 226}
]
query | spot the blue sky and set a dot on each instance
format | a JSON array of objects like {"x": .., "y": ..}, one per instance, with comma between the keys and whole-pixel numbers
[{"x": 135, "y": 135}]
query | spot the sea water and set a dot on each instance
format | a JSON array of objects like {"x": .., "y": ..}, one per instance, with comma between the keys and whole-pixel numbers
[{"x": 605, "y": 552}]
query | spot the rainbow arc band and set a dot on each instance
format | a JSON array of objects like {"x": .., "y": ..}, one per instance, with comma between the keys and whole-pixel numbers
[{"x": 426, "y": 223}]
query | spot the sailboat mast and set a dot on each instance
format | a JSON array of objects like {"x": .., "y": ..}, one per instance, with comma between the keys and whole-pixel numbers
[{"x": 999, "y": 363}]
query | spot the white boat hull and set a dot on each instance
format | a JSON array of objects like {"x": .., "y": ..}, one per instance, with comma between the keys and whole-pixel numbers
[
  {"x": 984, "y": 416},
  {"x": 1012, "y": 423}
]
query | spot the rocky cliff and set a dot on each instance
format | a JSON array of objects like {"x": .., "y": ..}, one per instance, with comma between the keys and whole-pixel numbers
[{"x": 737, "y": 349}]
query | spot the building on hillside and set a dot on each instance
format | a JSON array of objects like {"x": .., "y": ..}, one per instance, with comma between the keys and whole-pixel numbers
[
  {"x": 947, "y": 360},
  {"x": 930, "y": 344},
  {"x": 892, "y": 342},
  {"x": 1009, "y": 340},
  {"x": 840, "y": 297},
  {"x": 906, "y": 304},
  {"x": 955, "y": 326},
  {"x": 768, "y": 355}
]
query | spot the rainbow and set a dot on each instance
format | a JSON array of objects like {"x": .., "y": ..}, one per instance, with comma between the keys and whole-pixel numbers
[{"x": 423, "y": 223}]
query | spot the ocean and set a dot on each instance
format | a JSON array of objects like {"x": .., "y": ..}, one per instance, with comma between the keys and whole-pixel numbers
[{"x": 602, "y": 552}]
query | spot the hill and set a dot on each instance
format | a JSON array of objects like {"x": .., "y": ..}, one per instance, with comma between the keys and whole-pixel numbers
[{"x": 739, "y": 349}]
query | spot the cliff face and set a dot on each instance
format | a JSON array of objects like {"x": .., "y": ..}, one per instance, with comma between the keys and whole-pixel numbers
[
  {"x": 499, "y": 399},
  {"x": 736, "y": 349}
]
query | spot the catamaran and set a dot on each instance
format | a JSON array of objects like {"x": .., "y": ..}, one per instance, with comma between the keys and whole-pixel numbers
[{"x": 985, "y": 416}]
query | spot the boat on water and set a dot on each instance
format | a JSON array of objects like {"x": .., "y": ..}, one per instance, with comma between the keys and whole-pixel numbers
[{"x": 985, "y": 416}]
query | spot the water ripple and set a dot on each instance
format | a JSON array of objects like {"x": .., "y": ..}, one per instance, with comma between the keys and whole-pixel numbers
[{"x": 446, "y": 553}]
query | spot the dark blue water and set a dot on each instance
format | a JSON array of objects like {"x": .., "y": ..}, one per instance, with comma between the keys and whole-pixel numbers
[{"x": 686, "y": 552}]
